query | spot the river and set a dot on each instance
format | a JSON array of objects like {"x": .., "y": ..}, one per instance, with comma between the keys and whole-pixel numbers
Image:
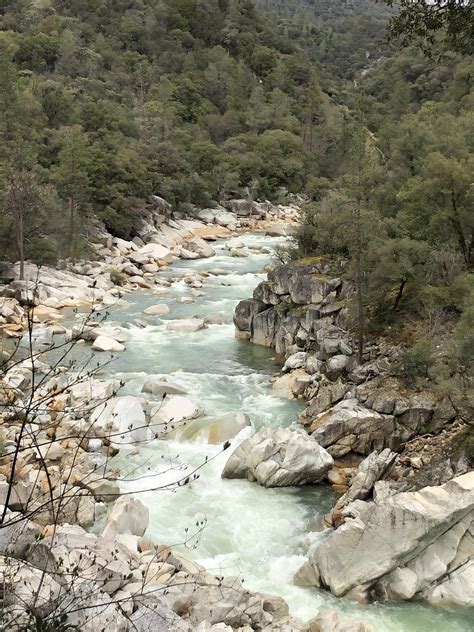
[{"x": 233, "y": 527}]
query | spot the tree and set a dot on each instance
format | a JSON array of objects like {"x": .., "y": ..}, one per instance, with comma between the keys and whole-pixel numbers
[
  {"x": 22, "y": 203},
  {"x": 443, "y": 193},
  {"x": 72, "y": 176},
  {"x": 450, "y": 22}
]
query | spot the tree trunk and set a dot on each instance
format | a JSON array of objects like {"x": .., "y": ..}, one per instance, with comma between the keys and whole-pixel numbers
[
  {"x": 71, "y": 227},
  {"x": 20, "y": 242},
  {"x": 399, "y": 295},
  {"x": 360, "y": 292}
]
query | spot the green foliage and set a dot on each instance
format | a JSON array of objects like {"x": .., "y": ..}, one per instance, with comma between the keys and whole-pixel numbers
[
  {"x": 193, "y": 101},
  {"x": 448, "y": 22},
  {"x": 415, "y": 363}
]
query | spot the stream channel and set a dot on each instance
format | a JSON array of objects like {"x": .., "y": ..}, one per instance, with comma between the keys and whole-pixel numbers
[{"x": 261, "y": 535}]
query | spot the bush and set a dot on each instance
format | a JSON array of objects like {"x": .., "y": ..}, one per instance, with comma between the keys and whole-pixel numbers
[{"x": 415, "y": 363}]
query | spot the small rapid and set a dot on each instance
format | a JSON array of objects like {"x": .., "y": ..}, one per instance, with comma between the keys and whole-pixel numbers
[{"x": 232, "y": 527}]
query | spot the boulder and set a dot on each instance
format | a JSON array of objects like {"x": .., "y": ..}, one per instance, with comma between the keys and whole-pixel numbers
[
  {"x": 278, "y": 229},
  {"x": 200, "y": 247},
  {"x": 157, "y": 310},
  {"x": 151, "y": 616},
  {"x": 370, "y": 470},
  {"x": 456, "y": 588},
  {"x": 17, "y": 534},
  {"x": 215, "y": 431},
  {"x": 26, "y": 588},
  {"x": 296, "y": 361},
  {"x": 105, "y": 343},
  {"x": 304, "y": 284},
  {"x": 336, "y": 366},
  {"x": 159, "y": 386},
  {"x": 330, "y": 621},
  {"x": 279, "y": 457},
  {"x": 122, "y": 420},
  {"x": 155, "y": 252},
  {"x": 350, "y": 427},
  {"x": 128, "y": 516},
  {"x": 188, "y": 325},
  {"x": 289, "y": 385},
  {"x": 264, "y": 327},
  {"x": 88, "y": 391},
  {"x": 86, "y": 608},
  {"x": 70, "y": 552},
  {"x": 174, "y": 412},
  {"x": 245, "y": 311},
  {"x": 399, "y": 548}
]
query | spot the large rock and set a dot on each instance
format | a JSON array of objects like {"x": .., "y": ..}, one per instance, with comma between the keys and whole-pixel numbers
[
  {"x": 371, "y": 470},
  {"x": 167, "y": 417},
  {"x": 154, "y": 252},
  {"x": 304, "y": 284},
  {"x": 330, "y": 621},
  {"x": 128, "y": 516},
  {"x": 350, "y": 427},
  {"x": 200, "y": 247},
  {"x": 188, "y": 325},
  {"x": 264, "y": 327},
  {"x": 71, "y": 552},
  {"x": 158, "y": 386},
  {"x": 84, "y": 607},
  {"x": 122, "y": 420},
  {"x": 215, "y": 431},
  {"x": 279, "y": 458},
  {"x": 26, "y": 589},
  {"x": 245, "y": 311},
  {"x": 105, "y": 343},
  {"x": 157, "y": 310},
  {"x": 400, "y": 548}
]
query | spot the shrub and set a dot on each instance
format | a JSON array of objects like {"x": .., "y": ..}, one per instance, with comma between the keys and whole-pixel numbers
[{"x": 415, "y": 363}]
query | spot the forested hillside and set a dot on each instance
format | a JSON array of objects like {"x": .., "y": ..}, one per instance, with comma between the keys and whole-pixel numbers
[
  {"x": 105, "y": 103},
  {"x": 398, "y": 209}
]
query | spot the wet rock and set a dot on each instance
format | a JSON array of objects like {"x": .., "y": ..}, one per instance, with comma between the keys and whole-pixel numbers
[
  {"x": 160, "y": 386},
  {"x": 105, "y": 343},
  {"x": 245, "y": 312},
  {"x": 279, "y": 458},
  {"x": 214, "y": 319},
  {"x": 157, "y": 310},
  {"x": 330, "y": 621},
  {"x": 173, "y": 413},
  {"x": 200, "y": 247},
  {"x": 188, "y": 325},
  {"x": 215, "y": 431},
  {"x": 398, "y": 548}
]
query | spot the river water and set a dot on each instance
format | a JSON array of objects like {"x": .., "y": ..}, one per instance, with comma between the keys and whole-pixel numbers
[{"x": 233, "y": 527}]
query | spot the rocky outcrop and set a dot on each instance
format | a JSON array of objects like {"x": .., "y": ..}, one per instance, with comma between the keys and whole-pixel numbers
[
  {"x": 409, "y": 545},
  {"x": 372, "y": 469},
  {"x": 279, "y": 458}
]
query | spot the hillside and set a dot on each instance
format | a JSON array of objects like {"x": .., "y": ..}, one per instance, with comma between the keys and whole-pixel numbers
[{"x": 107, "y": 103}]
